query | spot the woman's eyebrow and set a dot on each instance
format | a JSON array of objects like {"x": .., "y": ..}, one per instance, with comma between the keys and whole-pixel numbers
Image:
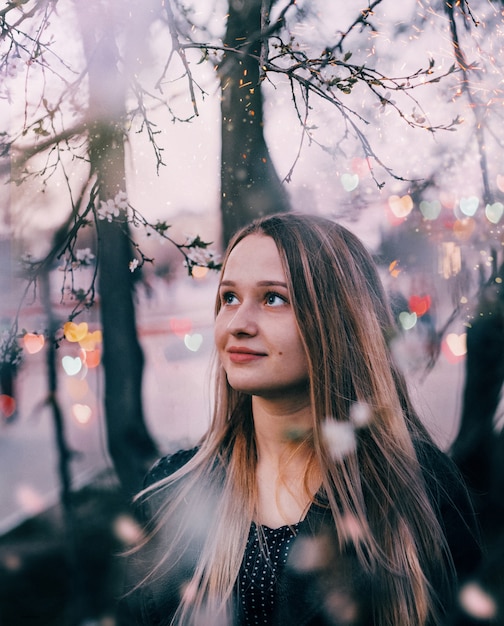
[
  {"x": 261, "y": 283},
  {"x": 272, "y": 283}
]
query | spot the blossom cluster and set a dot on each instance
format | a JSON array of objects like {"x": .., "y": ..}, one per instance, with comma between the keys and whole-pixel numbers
[
  {"x": 201, "y": 256},
  {"x": 111, "y": 208},
  {"x": 197, "y": 254},
  {"x": 84, "y": 256}
]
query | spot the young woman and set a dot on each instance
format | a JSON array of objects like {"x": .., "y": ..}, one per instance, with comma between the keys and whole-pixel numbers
[{"x": 316, "y": 497}]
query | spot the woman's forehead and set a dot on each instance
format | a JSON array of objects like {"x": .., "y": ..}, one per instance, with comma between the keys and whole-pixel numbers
[{"x": 254, "y": 256}]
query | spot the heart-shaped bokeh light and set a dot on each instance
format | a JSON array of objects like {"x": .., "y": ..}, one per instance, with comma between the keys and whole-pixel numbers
[
  {"x": 7, "y": 406},
  {"x": 469, "y": 205},
  {"x": 33, "y": 342},
  {"x": 75, "y": 332},
  {"x": 91, "y": 358},
  {"x": 419, "y": 304},
  {"x": 193, "y": 342},
  {"x": 199, "y": 272},
  {"x": 401, "y": 206},
  {"x": 91, "y": 340},
  {"x": 71, "y": 365},
  {"x": 360, "y": 166},
  {"x": 463, "y": 229},
  {"x": 430, "y": 210},
  {"x": 82, "y": 413},
  {"x": 494, "y": 212},
  {"x": 180, "y": 327},
  {"x": 500, "y": 182},
  {"x": 394, "y": 269},
  {"x": 454, "y": 347},
  {"x": 407, "y": 320},
  {"x": 457, "y": 343},
  {"x": 350, "y": 182}
]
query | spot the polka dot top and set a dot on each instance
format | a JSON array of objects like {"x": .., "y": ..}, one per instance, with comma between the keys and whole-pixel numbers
[{"x": 262, "y": 563}]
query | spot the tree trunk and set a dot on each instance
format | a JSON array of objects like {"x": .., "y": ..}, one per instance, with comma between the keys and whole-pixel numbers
[
  {"x": 250, "y": 186},
  {"x": 476, "y": 450},
  {"x": 130, "y": 445}
]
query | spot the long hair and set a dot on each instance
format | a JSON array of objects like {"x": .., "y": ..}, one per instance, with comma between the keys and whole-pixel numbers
[{"x": 345, "y": 324}]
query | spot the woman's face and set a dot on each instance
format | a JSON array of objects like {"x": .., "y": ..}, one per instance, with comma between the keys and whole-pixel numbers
[{"x": 256, "y": 334}]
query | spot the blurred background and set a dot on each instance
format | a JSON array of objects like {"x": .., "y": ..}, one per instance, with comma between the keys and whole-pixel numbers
[{"x": 135, "y": 139}]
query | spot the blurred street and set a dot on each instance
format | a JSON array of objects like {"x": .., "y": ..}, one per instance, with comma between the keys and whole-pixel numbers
[
  {"x": 175, "y": 327},
  {"x": 175, "y": 401}
]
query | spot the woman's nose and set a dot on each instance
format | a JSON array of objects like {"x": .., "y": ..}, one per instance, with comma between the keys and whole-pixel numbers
[{"x": 244, "y": 320}]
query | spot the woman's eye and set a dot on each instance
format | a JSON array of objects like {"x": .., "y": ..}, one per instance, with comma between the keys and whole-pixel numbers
[
  {"x": 274, "y": 299},
  {"x": 229, "y": 298}
]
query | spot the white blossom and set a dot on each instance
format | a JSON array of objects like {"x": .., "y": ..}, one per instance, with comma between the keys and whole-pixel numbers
[
  {"x": 133, "y": 265},
  {"x": 340, "y": 438},
  {"x": 201, "y": 256},
  {"x": 84, "y": 256},
  {"x": 108, "y": 210},
  {"x": 111, "y": 208},
  {"x": 121, "y": 200}
]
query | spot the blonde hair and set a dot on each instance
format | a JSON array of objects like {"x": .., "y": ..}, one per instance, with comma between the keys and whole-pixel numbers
[{"x": 345, "y": 325}]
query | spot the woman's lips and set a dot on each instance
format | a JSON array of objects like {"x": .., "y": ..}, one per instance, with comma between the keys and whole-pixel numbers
[{"x": 243, "y": 355}]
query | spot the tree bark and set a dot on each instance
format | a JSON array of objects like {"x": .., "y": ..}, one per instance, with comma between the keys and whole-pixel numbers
[
  {"x": 477, "y": 448},
  {"x": 130, "y": 445},
  {"x": 250, "y": 186}
]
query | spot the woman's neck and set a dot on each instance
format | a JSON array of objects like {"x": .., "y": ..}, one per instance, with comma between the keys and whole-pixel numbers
[
  {"x": 279, "y": 424},
  {"x": 284, "y": 451}
]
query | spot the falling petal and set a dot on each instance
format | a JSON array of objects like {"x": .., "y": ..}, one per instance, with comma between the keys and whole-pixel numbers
[
  {"x": 360, "y": 414},
  {"x": 340, "y": 438},
  {"x": 309, "y": 553},
  {"x": 477, "y": 602},
  {"x": 127, "y": 529}
]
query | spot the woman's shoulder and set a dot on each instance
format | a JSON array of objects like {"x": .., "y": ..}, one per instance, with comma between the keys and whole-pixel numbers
[
  {"x": 168, "y": 465},
  {"x": 453, "y": 503},
  {"x": 439, "y": 470},
  {"x": 444, "y": 482}
]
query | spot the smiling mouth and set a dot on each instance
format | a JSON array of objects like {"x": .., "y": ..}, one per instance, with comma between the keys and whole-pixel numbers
[{"x": 242, "y": 355}]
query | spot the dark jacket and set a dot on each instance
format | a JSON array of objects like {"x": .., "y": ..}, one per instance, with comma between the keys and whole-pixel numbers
[{"x": 337, "y": 591}]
